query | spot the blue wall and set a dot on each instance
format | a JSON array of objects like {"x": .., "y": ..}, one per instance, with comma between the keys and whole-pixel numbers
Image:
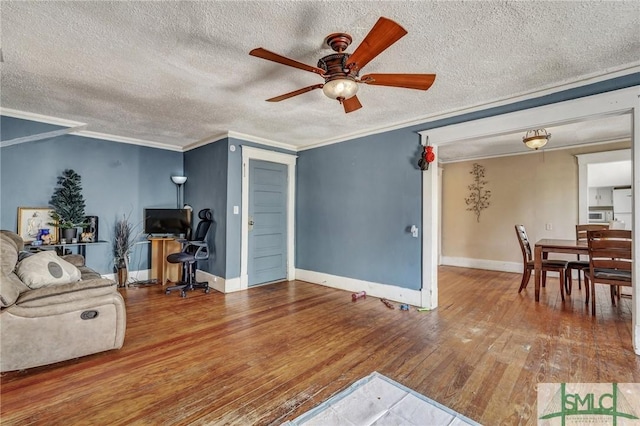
[
  {"x": 117, "y": 179},
  {"x": 206, "y": 187},
  {"x": 355, "y": 200},
  {"x": 215, "y": 180},
  {"x": 355, "y": 203}
]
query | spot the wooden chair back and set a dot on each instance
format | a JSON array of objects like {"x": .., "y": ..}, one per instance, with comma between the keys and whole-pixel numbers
[
  {"x": 525, "y": 245},
  {"x": 610, "y": 262},
  {"x": 610, "y": 255},
  {"x": 581, "y": 230}
]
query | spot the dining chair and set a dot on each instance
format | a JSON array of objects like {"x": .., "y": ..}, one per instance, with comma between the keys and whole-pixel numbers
[
  {"x": 578, "y": 264},
  {"x": 559, "y": 266},
  {"x": 610, "y": 262}
]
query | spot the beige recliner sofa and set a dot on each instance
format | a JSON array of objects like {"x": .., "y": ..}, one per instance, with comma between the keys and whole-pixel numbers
[{"x": 48, "y": 323}]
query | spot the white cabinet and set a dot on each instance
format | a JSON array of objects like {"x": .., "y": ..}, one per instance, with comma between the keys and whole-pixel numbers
[{"x": 601, "y": 196}]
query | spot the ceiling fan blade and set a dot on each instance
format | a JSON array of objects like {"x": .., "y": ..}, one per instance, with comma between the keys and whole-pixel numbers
[
  {"x": 383, "y": 34},
  {"x": 351, "y": 104},
  {"x": 295, "y": 93},
  {"x": 270, "y": 56},
  {"x": 408, "y": 81}
]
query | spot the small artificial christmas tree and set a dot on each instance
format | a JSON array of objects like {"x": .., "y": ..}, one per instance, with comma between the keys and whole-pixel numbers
[{"x": 67, "y": 201}]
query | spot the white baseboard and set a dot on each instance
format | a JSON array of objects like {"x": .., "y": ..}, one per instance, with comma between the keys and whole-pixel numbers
[
  {"x": 218, "y": 283},
  {"x": 386, "y": 291},
  {"x": 133, "y": 276},
  {"x": 215, "y": 282},
  {"x": 391, "y": 292},
  {"x": 491, "y": 265}
]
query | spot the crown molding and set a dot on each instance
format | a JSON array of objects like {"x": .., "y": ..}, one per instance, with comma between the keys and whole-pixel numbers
[
  {"x": 24, "y": 115},
  {"x": 14, "y": 113},
  {"x": 41, "y": 136},
  {"x": 205, "y": 141},
  {"x": 262, "y": 141},
  {"x": 524, "y": 96},
  {"x": 242, "y": 136},
  {"x": 131, "y": 141}
]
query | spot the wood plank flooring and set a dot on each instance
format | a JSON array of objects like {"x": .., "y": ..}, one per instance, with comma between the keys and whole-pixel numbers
[{"x": 271, "y": 353}]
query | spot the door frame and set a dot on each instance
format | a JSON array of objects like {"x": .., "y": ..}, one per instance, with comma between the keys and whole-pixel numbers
[
  {"x": 583, "y": 175},
  {"x": 252, "y": 153},
  {"x": 622, "y": 101}
]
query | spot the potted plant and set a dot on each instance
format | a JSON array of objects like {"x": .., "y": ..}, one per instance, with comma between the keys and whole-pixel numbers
[
  {"x": 68, "y": 204},
  {"x": 123, "y": 242}
]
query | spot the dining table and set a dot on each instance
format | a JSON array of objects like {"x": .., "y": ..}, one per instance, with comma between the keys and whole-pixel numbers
[{"x": 549, "y": 245}]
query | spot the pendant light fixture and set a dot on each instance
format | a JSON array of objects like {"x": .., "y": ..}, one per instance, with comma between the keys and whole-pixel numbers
[{"x": 536, "y": 139}]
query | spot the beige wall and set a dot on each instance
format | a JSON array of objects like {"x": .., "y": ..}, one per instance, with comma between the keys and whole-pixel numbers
[{"x": 533, "y": 189}]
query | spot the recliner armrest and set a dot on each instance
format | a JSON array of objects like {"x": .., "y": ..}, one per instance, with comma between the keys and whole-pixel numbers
[
  {"x": 66, "y": 293},
  {"x": 74, "y": 259}
]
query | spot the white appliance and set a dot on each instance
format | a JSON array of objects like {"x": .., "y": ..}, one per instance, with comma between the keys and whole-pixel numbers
[
  {"x": 600, "y": 215},
  {"x": 622, "y": 206}
]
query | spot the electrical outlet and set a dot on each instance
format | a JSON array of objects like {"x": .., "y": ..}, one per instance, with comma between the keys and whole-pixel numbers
[{"x": 548, "y": 227}]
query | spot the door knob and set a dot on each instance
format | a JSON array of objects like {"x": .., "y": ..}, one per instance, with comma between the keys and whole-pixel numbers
[{"x": 250, "y": 223}]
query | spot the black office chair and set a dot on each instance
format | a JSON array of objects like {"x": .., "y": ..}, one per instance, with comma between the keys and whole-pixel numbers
[{"x": 193, "y": 250}]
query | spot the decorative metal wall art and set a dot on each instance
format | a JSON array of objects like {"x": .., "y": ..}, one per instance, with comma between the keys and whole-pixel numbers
[{"x": 478, "y": 199}]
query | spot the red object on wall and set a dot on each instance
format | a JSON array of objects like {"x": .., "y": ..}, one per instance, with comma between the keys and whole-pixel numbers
[{"x": 427, "y": 157}]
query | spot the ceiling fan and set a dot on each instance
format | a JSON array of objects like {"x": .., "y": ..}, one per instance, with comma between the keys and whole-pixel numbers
[{"x": 341, "y": 70}]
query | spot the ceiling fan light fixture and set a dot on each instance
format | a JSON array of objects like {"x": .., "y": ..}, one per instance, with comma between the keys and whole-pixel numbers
[
  {"x": 340, "y": 88},
  {"x": 536, "y": 139},
  {"x": 340, "y": 70}
]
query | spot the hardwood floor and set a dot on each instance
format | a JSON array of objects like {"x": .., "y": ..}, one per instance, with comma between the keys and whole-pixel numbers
[{"x": 269, "y": 354}]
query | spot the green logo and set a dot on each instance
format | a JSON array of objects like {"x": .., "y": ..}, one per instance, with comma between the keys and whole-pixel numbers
[{"x": 589, "y": 404}]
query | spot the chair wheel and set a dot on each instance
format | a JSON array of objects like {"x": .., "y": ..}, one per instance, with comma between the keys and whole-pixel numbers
[
  {"x": 206, "y": 290},
  {"x": 183, "y": 293},
  {"x": 167, "y": 292}
]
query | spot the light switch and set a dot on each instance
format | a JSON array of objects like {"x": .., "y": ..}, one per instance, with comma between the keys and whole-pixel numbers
[{"x": 236, "y": 210}]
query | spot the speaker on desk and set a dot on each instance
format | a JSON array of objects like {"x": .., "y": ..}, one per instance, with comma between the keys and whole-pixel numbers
[{"x": 90, "y": 232}]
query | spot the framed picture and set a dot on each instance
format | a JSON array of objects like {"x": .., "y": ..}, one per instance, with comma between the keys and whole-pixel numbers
[{"x": 32, "y": 219}]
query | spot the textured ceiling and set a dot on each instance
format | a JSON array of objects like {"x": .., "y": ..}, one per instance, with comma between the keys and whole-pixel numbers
[{"x": 176, "y": 73}]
